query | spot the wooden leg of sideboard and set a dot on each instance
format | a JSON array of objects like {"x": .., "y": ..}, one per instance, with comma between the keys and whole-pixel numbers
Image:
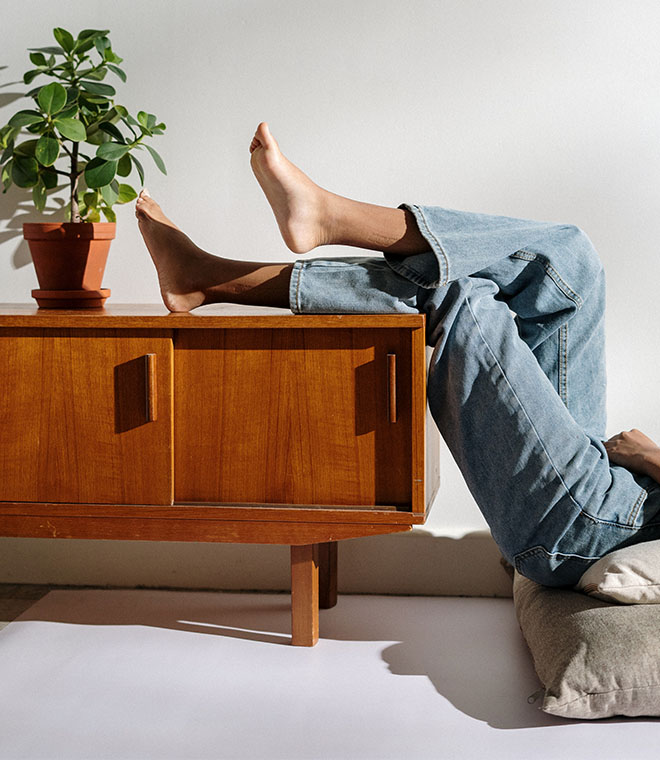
[
  {"x": 327, "y": 575},
  {"x": 305, "y": 595}
]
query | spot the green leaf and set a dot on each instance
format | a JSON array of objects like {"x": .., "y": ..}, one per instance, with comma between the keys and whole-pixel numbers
[
  {"x": 96, "y": 88},
  {"x": 39, "y": 196},
  {"x": 52, "y": 97},
  {"x": 102, "y": 44},
  {"x": 26, "y": 148},
  {"x": 9, "y": 151},
  {"x": 92, "y": 33},
  {"x": 157, "y": 159},
  {"x": 47, "y": 150},
  {"x": 64, "y": 38},
  {"x": 5, "y": 176},
  {"x": 94, "y": 74},
  {"x": 49, "y": 178},
  {"x": 142, "y": 118},
  {"x": 124, "y": 166},
  {"x": 72, "y": 129},
  {"x": 90, "y": 199},
  {"x": 68, "y": 113},
  {"x": 30, "y": 75},
  {"x": 151, "y": 121},
  {"x": 82, "y": 47},
  {"x": 99, "y": 172},
  {"x": 109, "y": 194},
  {"x": 38, "y": 59},
  {"x": 139, "y": 167},
  {"x": 119, "y": 72},
  {"x": 110, "y": 129},
  {"x": 25, "y": 118},
  {"x": 126, "y": 194},
  {"x": 93, "y": 216},
  {"x": 109, "y": 214},
  {"x": 51, "y": 49},
  {"x": 72, "y": 94},
  {"x": 112, "y": 151},
  {"x": 24, "y": 171}
]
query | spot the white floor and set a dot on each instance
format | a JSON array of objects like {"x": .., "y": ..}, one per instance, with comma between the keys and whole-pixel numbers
[{"x": 192, "y": 675}]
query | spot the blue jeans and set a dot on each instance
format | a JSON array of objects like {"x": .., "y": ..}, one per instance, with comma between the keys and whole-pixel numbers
[{"x": 515, "y": 314}]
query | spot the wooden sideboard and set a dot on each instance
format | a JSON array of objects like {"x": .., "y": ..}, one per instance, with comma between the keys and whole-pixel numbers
[{"x": 228, "y": 424}]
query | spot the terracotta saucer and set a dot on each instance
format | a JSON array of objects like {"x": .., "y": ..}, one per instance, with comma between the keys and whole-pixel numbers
[{"x": 71, "y": 299}]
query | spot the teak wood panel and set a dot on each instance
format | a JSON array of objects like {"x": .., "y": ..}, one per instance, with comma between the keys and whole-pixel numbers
[
  {"x": 74, "y": 416},
  {"x": 292, "y": 416}
]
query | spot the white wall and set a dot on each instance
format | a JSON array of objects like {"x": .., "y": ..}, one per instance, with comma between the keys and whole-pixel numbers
[{"x": 547, "y": 110}]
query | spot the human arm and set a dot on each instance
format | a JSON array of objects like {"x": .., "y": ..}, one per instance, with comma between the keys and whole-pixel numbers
[{"x": 635, "y": 451}]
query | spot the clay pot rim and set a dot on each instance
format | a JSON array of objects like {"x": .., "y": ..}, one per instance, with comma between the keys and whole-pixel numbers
[{"x": 69, "y": 230}]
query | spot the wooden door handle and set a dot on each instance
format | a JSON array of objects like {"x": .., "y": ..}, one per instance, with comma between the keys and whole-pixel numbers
[
  {"x": 150, "y": 384},
  {"x": 391, "y": 386}
]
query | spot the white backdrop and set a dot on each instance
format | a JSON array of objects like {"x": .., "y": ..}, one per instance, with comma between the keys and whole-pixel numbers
[{"x": 546, "y": 110}]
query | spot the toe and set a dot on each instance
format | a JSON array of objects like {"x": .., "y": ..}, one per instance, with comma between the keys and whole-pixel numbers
[{"x": 264, "y": 136}]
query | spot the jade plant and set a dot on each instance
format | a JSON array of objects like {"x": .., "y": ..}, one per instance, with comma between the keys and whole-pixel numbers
[{"x": 70, "y": 113}]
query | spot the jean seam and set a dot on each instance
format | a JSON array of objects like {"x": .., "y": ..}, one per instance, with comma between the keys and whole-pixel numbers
[
  {"x": 299, "y": 273},
  {"x": 554, "y": 275},
  {"x": 538, "y": 550},
  {"x": 422, "y": 218},
  {"x": 632, "y": 516},
  {"x": 409, "y": 274},
  {"x": 563, "y": 363},
  {"x": 545, "y": 451}
]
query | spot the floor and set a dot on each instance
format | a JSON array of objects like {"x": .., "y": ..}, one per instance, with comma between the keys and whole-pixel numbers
[{"x": 139, "y": 674}]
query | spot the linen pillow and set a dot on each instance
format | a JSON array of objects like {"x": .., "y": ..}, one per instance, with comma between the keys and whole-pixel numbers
[
  {"x": 627, "y": 576},
  {"x": 595, "y": 659}
]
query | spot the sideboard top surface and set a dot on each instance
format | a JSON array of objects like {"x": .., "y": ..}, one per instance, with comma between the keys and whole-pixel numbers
[{"x": 213, "y": 315}]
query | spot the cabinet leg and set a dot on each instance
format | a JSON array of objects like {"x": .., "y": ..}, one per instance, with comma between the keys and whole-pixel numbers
[
  {"x": 327, "y": 575},
  {"x": 305, "y": 595}
]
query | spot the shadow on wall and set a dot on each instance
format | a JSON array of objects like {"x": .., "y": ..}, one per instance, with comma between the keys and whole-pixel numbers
[{"x": 16, "y": 204}]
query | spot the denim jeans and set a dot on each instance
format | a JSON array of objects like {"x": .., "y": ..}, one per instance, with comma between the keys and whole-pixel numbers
[{"x": 515, "y": 315}]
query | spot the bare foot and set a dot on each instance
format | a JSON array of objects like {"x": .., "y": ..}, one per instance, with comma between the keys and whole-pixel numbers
[
  {"x": 178, "y": 261},
  {"x": 300, "y": 206}
]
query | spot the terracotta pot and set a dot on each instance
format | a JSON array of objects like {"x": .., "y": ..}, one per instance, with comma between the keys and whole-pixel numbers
[{"x": 70, "y": 257}]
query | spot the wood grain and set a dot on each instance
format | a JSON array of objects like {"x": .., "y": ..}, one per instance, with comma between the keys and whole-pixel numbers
[
  {"x": 305, "y": 595},
  {"x": 72, "y": 417},
  {"x": 292, "y": 416},
  {"x": 192, "y": 529},
  {"x": 214, "y": 315}
]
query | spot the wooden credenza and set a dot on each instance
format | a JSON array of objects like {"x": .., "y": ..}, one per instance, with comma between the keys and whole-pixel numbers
[{"x": 229, "y": 424}]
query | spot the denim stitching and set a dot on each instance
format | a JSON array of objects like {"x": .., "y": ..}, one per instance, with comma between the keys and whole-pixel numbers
[
  {"x": 637, "y": 506},
  {"x": 299, "y": 273},
  {"x": 410, "y": 274},
  {"x": 437, "y": 242},
  {"x": 540, "y": 550},
  {"x": 554, "y": 275},
  {"x": 483, "y": 337},
  {"x": 563, "y": 363}
]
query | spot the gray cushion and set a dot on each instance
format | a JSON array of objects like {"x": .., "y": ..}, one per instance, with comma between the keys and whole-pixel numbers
[
  {"x": 595, "y": 659},
  {"x": 627, "y": 576}
]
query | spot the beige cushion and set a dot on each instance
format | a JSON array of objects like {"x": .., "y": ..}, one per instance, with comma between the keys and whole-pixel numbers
[
  {"x": 627, "y": 576},
  {"x": 595, "y": 659}
]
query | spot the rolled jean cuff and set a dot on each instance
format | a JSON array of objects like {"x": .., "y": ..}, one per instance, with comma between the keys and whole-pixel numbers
[
  {"x": 429, "y": 269},
  {"x": 350, "y": 285}
]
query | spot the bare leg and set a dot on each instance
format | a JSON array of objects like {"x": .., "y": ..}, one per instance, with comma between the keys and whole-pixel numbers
[
  {"x": 190, "y": 277},
  {"x": 309, "y": 216}
]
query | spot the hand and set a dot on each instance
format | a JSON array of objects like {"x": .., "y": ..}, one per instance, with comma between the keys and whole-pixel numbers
[{"x": 634, "y": 451}]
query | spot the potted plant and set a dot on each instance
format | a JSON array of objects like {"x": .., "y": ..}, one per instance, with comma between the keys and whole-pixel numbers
[{"x": 48, "y": 143}]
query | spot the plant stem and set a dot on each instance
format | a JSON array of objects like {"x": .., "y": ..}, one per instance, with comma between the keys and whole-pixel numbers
[{"x": 75, "y": 211}]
